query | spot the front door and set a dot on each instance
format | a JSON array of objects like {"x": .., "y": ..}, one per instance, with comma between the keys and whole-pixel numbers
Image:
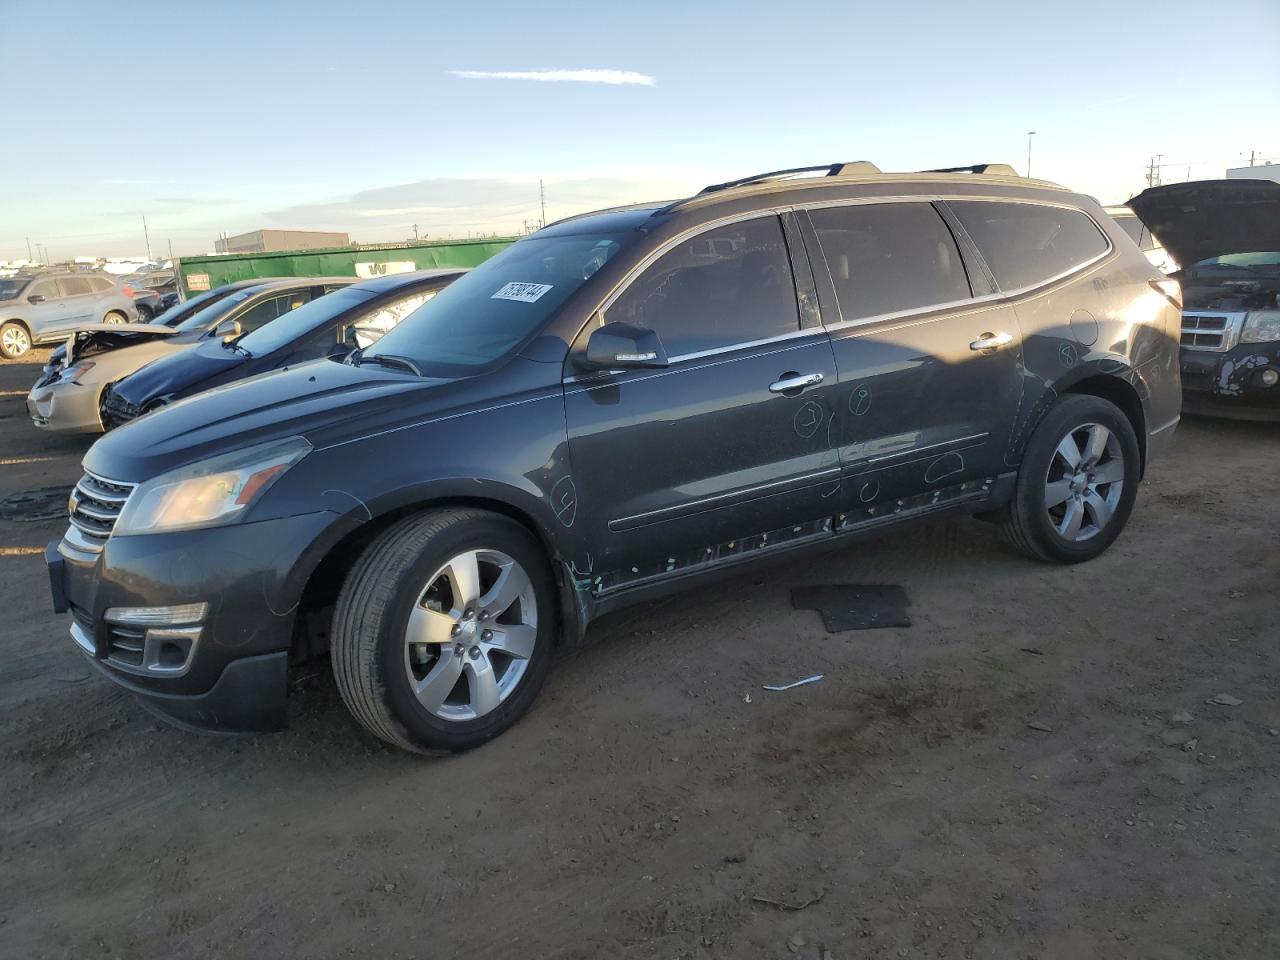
[
  {"x": 929, "y": 378},
  {"x": 727, "y": 446}
]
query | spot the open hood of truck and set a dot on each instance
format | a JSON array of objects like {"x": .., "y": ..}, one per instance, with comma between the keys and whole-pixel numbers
[{"x": 1212, "y": 218}]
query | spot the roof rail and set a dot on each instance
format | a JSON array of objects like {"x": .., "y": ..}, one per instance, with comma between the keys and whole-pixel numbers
[
  {"x": 831, "y": 170},
  {"x": 994, "y": 169}
]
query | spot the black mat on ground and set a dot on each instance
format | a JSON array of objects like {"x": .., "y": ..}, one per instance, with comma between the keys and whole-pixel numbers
[{"x": 855, "y": 606}]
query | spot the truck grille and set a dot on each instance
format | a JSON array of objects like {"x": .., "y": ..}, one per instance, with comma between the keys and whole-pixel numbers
[
  {"x": 1209, "y": 330},
  {"x": 95, "y": 504}
]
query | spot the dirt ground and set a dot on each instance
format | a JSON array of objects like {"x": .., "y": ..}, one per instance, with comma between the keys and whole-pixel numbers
[{"x": 656, "y": 802}]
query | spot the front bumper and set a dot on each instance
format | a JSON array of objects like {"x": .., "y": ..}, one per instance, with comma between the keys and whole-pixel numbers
[
  {"x": 1231, "y": 384},
  {"x": 64, "y": 408},
  {"x": 250, "y": 575}
]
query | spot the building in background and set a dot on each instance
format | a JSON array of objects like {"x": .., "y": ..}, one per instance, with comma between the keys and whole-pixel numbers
[
  {"x": 267, "y": 241},
  {"x": 1263, "y": 171}
]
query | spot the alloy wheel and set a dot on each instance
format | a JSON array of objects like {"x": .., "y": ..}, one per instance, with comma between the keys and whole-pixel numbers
[
  {"x": 470, "y": 635},
  {"x": 15, "y": 340},
  {"x": 1084, "y": 483}
]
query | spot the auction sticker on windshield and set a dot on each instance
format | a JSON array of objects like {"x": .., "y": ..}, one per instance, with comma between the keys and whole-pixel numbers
[{"x": 523, "y": 292}]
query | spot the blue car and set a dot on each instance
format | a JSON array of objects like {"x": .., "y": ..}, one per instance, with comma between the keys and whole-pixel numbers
[{"x": 333, "y": 325}]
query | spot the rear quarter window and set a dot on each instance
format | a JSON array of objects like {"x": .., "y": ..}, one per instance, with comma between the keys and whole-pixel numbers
[{"x": 1025, "y": 244}]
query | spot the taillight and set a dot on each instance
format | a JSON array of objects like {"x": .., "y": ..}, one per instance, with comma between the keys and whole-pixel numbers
[
  {"x": 128, "y": 291},
  {"x": 1171, "y": 290}
]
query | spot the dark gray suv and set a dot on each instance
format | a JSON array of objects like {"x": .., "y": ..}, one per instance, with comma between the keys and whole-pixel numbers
[{"x": 612, "y": 407}]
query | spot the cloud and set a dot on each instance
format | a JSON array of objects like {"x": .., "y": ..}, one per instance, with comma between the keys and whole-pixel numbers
[{"x": 615, "y": 77}]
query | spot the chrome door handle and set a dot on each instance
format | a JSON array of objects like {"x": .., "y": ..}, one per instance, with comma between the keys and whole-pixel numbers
[
  {"x": 798, "y": 382},
  {"x": 991, "y": 341}
]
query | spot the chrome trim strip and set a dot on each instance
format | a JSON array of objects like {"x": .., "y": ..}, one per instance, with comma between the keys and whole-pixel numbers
[
  {"x": 1232, "y": 328},
  {"x": 88, "y": 511},
  {"x": 88, "y": 530},
  {"x": 799, "y": 482},
  {"x": 815, "y": 332},
  {"x": 82, "y": 639}
]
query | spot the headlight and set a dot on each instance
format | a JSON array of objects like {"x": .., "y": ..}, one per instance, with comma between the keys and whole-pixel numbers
[
  {"x": 211, "y": 493},
  {"x": 74, "y": 371},
  {"x": 1261, "y": 326}
]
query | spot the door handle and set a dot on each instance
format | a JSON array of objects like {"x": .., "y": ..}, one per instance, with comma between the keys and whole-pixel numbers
[
  {"x": 795, "y": 381},
  {"x": 991, "y": 341}
]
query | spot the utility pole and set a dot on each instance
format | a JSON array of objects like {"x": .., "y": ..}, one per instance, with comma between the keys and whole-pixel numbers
[
  {"x": 415, "y": 232},
  {"x": 1030, "y": 134},
  {"x": 146, "y": 236},
  {"x": 542, "y": 198},
  {"x": 28, "y": 248},
  {"x": 1252, "y": 154},
  {"x": 170, "y": 248}
]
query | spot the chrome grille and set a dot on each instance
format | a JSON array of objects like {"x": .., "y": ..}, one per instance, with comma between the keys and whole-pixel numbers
[
  {"x": 1210, "y": 330},
  {"x": 115, "y": 410},
  {"x": 95, "y": 504}
]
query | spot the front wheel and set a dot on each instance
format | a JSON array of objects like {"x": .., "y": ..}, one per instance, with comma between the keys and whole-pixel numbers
[
  {"x": 444, "y": 630},
  {"x": 14, "y": 340},
  {"x": 1077, "y": 482},
  {"x": 115, "y": 316}
]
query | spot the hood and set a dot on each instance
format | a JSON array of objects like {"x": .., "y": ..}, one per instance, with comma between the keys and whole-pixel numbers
[
  {"x": 155, "y": 329},
  {"x": 316, "y": 400},
  {"x": 1212, "y": 218},
  {"x": 178, "y": 373},
  {"x": 98, "y": 338}
]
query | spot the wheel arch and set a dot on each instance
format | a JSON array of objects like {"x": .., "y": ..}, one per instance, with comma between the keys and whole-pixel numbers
[
  {"x": 1124, "y": 395},
  {"x": 313, "y": 622}
]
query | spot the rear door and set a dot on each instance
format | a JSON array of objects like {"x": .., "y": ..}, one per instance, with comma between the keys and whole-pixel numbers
[
  {"x": 929, "y": 375},
  {"x": 714, "y": 454}
]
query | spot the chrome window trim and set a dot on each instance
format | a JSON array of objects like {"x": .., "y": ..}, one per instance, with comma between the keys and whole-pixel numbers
[
  {"x": 701, "y": 354},
  {"x": 777, "y": 210}
]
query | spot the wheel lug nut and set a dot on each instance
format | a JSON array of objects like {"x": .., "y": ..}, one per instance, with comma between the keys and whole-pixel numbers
[
  {"x": 456, "y": 630},
  {"x": 486, "y": 635},
  {"x": 484, "y": 614},
  {"x": 474, "y": 653},
  {"x": 457, "y": 649}
]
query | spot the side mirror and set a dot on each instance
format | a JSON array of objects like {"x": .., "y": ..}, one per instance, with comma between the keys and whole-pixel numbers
[
  {"x": 621, "y": 346},
  {"x": 227, "y": 329},
  {"x": 34, "y": 299}
]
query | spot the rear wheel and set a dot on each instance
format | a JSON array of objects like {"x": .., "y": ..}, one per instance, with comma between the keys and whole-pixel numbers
[
  {"x": 443, "y": 632},
  {"x": 14, "y": 340},
  {"x": 115, "y": 316},
  {"x": 144, "y": 313},
  {"x": 1077, "y": 482}
]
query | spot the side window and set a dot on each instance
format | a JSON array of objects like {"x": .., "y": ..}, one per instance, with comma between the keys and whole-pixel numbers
[
  {"x": 727, "y": 286},
  {"x": 45, "y": 288},
  {"x": 75, "y": 286},
  {"x": 1132, "y": 226},
  {"x": 369, "y": 328},
  {"x": 890, "y": 257},
  {"x": 100, "y": 284},
  {"x": 271, "y": 308},
  {"x": 1029, "y": 243}
]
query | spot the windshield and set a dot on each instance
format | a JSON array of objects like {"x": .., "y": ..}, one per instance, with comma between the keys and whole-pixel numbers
[
  {"x": 10, "y": 288},
  {"x": 301, "y": 321},
  {"x": 1262, "y": 258},
  {"x": 495, "y": 307},
  {"x": 180, "y": 311},
  {"x": 212, "y": 312}
]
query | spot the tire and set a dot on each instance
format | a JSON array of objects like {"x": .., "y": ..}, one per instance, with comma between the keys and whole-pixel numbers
[
  {"x": 144, "y": 314},
  {"x": 115, "y": 316},
  {"x": 400, "y": 691},
  {"x": 1094, "y": 510},
  {"x": 15, "y": 340}
]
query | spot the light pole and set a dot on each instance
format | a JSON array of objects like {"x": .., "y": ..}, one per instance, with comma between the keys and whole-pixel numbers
[{"x": 1030, "y": 134}]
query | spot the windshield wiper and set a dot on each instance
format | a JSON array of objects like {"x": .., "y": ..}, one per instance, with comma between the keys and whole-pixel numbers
[
  {"x": 358, "y": 357},
  {"x": 233, "y": 345}
]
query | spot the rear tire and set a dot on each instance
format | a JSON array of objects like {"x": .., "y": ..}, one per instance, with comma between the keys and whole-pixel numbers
[
  {"x": 144, "y": 314},
  {"x": 115, "y": 316},
  {"x": 432, "y": 648},
  {"x": 15, "y": 340},
  {"x": 1077, "y": 483}
]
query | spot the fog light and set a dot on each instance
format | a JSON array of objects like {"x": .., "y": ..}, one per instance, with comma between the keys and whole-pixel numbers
[
  {"x": 158, "y": 616},
  {"x": 1269, "y": 378}
]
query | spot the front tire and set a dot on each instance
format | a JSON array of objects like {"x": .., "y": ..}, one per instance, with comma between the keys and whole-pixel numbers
[
  {"x": 1077, "y": 483},
  {"x": 15, "y": 341},
  {"x": 444, "y": 630}
]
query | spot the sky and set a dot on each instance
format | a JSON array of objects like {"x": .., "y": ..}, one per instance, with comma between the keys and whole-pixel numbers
[{"x": 371, "y": 117}]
